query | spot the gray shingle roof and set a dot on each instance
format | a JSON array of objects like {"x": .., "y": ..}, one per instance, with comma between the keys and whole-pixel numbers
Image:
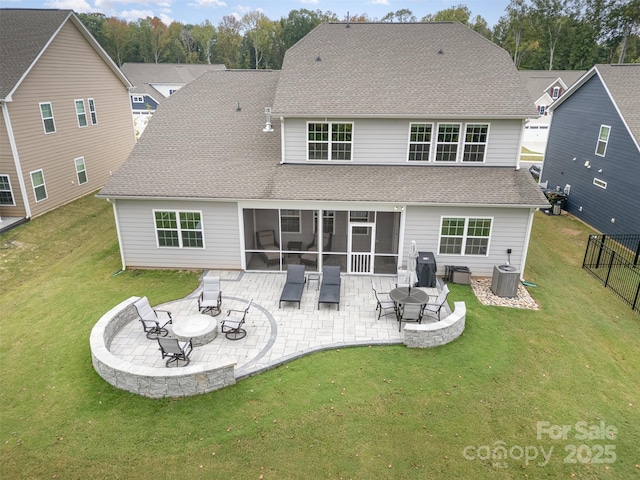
[
  {"x": 396, "y": 69},
  {"x": 23, "y": 35},
  {"x": 199, "y": 146},
  {"x": 142, "y": 74}
]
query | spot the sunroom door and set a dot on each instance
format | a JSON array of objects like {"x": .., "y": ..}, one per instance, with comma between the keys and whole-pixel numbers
[{"x": 361, "y": 247}]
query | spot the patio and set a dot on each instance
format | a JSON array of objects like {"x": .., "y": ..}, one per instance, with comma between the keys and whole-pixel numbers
[{"x": 274, "y": 336}]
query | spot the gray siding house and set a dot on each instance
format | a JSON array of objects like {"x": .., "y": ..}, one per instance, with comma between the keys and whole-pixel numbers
[
  {"x": 593, "y": 150},
  {"x": 370, "y": 137}
]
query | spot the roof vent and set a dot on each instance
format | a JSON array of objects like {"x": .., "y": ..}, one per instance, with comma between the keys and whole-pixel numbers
[
  {"x": 441, "y": 51},
  {"x": 268, "y": 127},
  {"x": 238, "y": 107},
  {"x": 348, "y": 26},
  {"x": 318, "y": 58}
]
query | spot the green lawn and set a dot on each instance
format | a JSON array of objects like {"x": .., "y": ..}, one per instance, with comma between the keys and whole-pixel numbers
[{"x": 379, "y": 412}]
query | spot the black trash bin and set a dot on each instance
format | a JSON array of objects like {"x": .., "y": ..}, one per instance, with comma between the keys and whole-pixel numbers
[{"x": 426, "y": 269}]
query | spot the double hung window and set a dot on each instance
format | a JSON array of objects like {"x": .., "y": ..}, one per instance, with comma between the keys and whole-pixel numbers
[
  {"x": 447, "y": 142},
  {"x": 39, "y": 187},
  {"x": 6, "y": 194},
  {"x": 92, "y": 111},
  {"x": 81, "y": 113},
  {"x": 328, "y": 221},
  {"x": 603, "y": 140},
  {"x": 179, "y": 229},
  {"x": 290, "y": 221},
  {"x": 46, "y": 112},
  {"x": 475, "y": 142},
  {"x": 464, "y": 236},
  {"x": 81, "y": 170},
  {"x": 329, "y": 141},
  {"x": 420, "y": 142}
]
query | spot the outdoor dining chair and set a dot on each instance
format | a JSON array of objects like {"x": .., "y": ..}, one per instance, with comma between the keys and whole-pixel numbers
[
  {"x": 231, "y": 326},
  {"x": 293, "y": 286},
  {"x": 210, "y": 299},
  {"x": 409, "y": 312},
  {"x": 152, "y": 323},
  {"x": 383, "y": 301},
  {"x": 175, "y": 351},
  {"x": 435, "y": 307}
]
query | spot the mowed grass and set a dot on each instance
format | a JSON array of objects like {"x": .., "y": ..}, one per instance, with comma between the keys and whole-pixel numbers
[{"x": 378, "y": 412}]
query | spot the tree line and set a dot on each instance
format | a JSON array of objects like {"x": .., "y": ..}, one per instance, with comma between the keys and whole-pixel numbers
[{"x": 539, "y": 34}]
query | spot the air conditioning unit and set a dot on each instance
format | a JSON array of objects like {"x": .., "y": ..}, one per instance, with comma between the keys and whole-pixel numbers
[{"x": 505, "y": 281}]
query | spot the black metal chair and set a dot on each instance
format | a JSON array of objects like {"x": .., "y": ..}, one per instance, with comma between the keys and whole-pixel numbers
[
  {"x": 293, "y": 286},
  {"x": 210, "y": 299},
  {"x": 436, "y": 306},
  {"x": 384, "y": 302},
  {"x": 409, "y": 312},
  {"x": 330, "y": 287},
  {"x": 152, "y": 324},
  {"x": 175, "y": 350},
  {"x": 231, "y": 326}
]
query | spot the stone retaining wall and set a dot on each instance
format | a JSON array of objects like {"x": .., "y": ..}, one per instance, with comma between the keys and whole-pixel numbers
[
  {"x": 149, "y": 381},
  {"x": 425, "y": 335}
]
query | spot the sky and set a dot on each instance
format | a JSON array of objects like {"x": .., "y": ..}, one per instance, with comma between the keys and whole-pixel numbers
[{"x": 197, "y": 11}]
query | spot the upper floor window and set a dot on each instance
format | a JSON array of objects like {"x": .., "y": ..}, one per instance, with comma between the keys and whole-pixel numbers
[
  {"x": 172, "y": 91},
  {"x": 137, "y": 99},
  {"x": 6, "y": 194},
  {"x": 464, "y": 234},
  {"x": 47, "y": 117},
  {"x": 81, "y": 113},
  {"x": 39, "y": 187},
  {"x": 81, "y": 170},
  {"x": 603, "y": 140},
  {"x": 290, "y": 221},
  {"x": 420, "y": 142},
  {"x": 542, "y": 109},
  {"x": 447, "y": 142},
  {"x": 555, "y": 92},
  {"x": 92, "y": 111},
  {"x": 475, "y": 142},
  {"x": 179, "y": 229},
  {"x": 329, "y": 141}
]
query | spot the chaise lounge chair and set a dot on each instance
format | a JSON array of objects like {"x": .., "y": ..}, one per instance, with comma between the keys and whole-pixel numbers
[
  {"x": 294, "y": 285},
  {"x": 330, "y": 287},
  {"x": 266, "y": 240}
]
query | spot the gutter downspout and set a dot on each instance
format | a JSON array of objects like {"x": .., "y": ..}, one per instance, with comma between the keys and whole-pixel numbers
[
  {"x": 524, "y": 122},
  {"x": 525, "y": 252},
  {"x": 16, "y": 159},
  {"x": 115, "y": 216}
]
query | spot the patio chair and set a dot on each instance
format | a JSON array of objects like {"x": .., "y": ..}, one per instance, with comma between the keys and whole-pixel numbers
[
  {"x": 401, "y": 280},
  {"x": 311, "y": 259},
  {"x": 152, "y": 324},
  {"x": 175, "y": 350},
  {"x": 436, "y": 306},
  {"x": 330, "y": 287},
  {"x": 266, "y": 240},
  {"x": 409, "y": 312},
  {"x": 383, "y": 300},
  {"x": 293, "y": 286},
  {"x": 210, "y": 299},
  {"x": 231, "y": 326}
]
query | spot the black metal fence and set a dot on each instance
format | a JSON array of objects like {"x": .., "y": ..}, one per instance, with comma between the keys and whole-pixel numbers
[{"x": 615, "y": 261}]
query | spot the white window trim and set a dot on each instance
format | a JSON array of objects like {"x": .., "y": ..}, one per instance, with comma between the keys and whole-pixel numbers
[
  {"x": 329, "y": 141},
  {"x": 436, "y": 143},
  {"x": 606, "y": 142},
  {"x": 93, "y": 115},
  {"x": 430, "y": 143},
  {"x": 463, "y": 247},
  {"x": 367, "y": 220},
  {"x": 33, "y": 185},
  {"x": 600, "y": 183},
  {"x": 178, "y": 227},
  {"x": 13, "y": 197},
  {"x": 464, "y": 143},
  {"x": 44, "y": 127},
  {"x": 298, "y": 216},
  {"x": 78, "y": 114},
  {"x": 84, "y": 169},
  {"x": 137, "y": 98}
]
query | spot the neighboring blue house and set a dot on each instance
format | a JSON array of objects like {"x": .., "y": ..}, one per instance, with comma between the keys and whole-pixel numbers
[{"x": 593, "y": 151}]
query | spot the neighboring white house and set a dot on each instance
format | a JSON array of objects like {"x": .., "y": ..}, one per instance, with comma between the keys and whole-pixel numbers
[
  {"x": 545, "y": 87},
  {"x": 372, "y": 135},
  {"x": 153, "y": 82}
]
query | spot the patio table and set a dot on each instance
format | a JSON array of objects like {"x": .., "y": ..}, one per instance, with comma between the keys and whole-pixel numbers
[{"x": 408, "y": 295}]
